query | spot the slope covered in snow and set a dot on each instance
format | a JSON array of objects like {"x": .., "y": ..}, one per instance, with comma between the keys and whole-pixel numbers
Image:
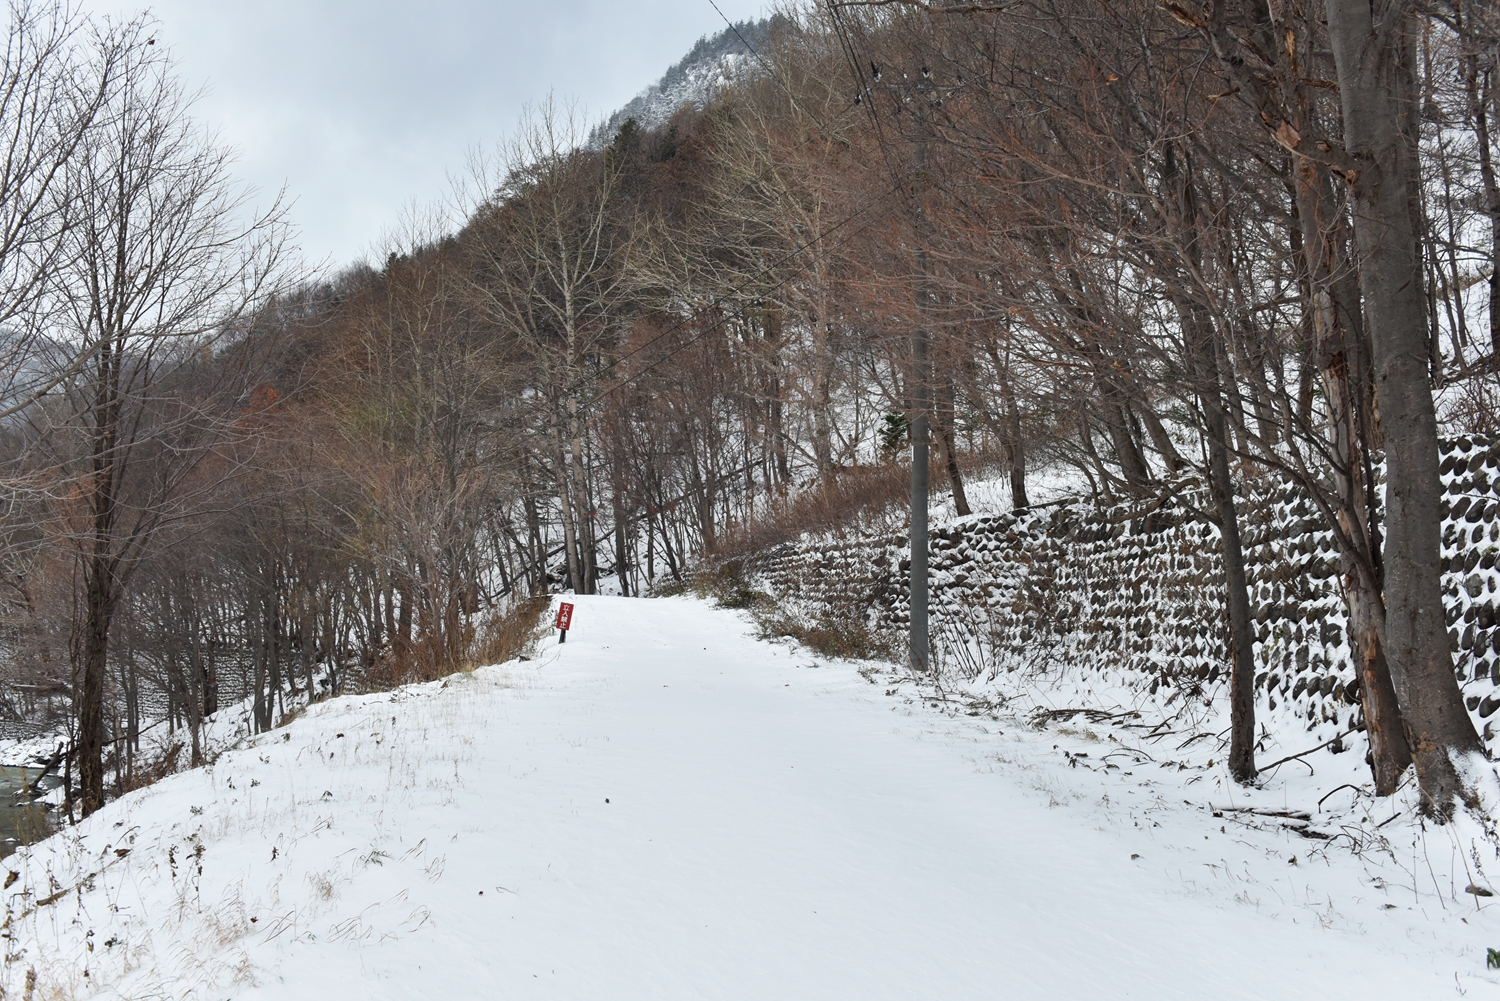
[
  {"x": 667, "y": 806},
  {"x": 712, "y": 62}
]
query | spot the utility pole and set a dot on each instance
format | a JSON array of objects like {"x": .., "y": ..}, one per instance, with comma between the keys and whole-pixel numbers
[
  {"x": 920, "y": 383},
  {"x": 919, "y": 484},
  {"x": 921, "y": 378}
]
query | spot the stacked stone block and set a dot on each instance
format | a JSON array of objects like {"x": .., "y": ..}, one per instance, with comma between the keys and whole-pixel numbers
[{"x": 1138, "y": 588}]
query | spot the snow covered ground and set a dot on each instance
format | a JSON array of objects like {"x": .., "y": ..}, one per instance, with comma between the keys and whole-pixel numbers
[{"x": 668, "y": 807}]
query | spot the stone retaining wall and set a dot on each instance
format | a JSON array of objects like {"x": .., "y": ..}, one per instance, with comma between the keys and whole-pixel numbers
[{"x": 1141, "y": 591}]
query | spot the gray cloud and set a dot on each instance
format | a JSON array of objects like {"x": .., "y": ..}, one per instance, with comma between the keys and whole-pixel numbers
[{"x": 359, "y": 108}]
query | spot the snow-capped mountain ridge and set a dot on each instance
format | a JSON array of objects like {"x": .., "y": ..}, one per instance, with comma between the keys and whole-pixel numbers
[{"x": 714, "y": 61}]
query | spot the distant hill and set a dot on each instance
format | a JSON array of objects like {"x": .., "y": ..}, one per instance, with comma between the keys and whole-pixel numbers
[{"x": 711, "y": 63}]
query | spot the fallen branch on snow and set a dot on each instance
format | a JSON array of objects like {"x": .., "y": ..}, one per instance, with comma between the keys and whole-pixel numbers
[
  {"x": 1040, "y": 716},
  {"x": 1302, "y": 754}
]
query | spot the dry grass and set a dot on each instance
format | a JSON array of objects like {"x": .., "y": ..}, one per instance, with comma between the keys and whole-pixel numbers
[
  {"x": 863, "y": 498},
  {"x": 511, "y": 634},
  {"x": 150, "y": 769},
  {"x": 851, "y": 499},
  {"x": 845, "y": 639},
  {"x": 502, "y": 635},
  {"x": 725, "y": 582}
]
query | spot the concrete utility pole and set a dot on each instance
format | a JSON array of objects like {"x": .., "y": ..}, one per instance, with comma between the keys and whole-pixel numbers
[
  {"x": 921, "y": 378},
  {"x": 919, "y": 484},
  {"x": 925, "y": 92}
]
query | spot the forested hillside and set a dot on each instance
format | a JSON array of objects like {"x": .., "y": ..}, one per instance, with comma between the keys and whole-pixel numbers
[{"x": 1184, "y": 260}]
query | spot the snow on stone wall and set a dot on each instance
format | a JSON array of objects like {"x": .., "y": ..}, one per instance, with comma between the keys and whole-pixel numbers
[{"x": 1138, "y": 588}]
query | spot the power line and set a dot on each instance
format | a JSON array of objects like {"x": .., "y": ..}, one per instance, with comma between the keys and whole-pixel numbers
[
  {"x": 769, "y": 71},
  {"x": 918, "y": 635},
  {"x": 864, "y": 94}
]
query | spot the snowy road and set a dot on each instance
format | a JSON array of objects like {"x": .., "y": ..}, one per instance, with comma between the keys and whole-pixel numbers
[{"x": 667, "y": 808}]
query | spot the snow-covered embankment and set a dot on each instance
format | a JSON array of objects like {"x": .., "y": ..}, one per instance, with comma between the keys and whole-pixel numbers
[{"x": 666, "y": 807}]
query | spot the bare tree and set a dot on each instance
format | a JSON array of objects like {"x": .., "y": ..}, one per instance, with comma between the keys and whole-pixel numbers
[
  {"x": 160, "y": 265},
  {"x": 1374, "y": 51},
  {"x": 50, "y": 97},
  {"x": 550, "y": 273}
]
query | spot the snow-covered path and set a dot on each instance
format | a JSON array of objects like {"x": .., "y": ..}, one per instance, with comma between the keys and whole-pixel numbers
[{"x": 665, "y": 807}]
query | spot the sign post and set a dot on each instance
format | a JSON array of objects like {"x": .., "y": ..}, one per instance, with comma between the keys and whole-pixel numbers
[{"x": 564, "y": 620}]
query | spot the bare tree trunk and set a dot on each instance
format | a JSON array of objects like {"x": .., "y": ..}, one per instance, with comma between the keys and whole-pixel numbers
[
  {"x": 1374, "y": 61},
  {"x": 307, "y": 630},
  {"x": 1161, "y": 440},
  {"x": 1337, "y": 346},
  {"x": 945, "y": 419},
  {"x": 1206, "y": 361},
  {"x": 588, "y": 543},
  {"x": 132, "y": 709},
  {"x": 617, "y": 504},
  {"x": 570, "y": 531},
  {"x": 1014, "y": 448},
  {"x": 192, "y": 679},
  {"x": 650, "y": 550},
  {"x": 403, "y": 618},
  {"x": 822, "y": 384},
  {"x": 1199, "y": 335},
  {"x": 210, "y": 680},
  {"x": 255, "y": 627},
  {"x": 273, "y": 646},
  {"x": 1479, "y": 86},
  {"x": 1342, "y": 352},
  {"x": 1086, "y": 436},
  {"x": 99, "y": 602},
  {"x": 537, "y": 572},
  {"x": 1237, "y": 592},
  {"x": 775, "y": 426},
  {"x": 1117, "y": 423},
  {"x": 100, "y": 585}
]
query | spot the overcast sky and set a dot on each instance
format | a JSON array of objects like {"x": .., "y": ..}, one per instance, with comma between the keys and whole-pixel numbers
[{"x": 361, "y": 107}]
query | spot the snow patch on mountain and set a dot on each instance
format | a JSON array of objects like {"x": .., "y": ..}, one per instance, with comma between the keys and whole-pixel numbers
[{"x": 713, "y": 62}]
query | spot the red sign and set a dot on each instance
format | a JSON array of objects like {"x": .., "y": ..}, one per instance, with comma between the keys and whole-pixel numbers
[{"x": 564, "y": 616}]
